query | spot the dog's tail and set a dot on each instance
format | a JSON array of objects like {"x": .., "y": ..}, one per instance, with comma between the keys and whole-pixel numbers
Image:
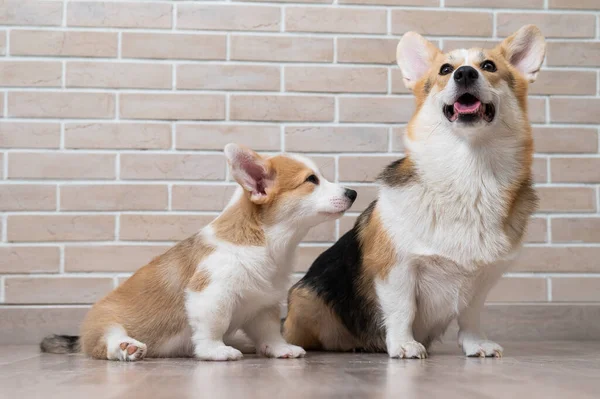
[{"x": 60, "y": 344}]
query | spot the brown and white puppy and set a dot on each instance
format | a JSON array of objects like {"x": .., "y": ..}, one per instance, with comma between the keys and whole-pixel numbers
[
  {"x": 232, "y": 275},
  {"x": 449, "y": 217}
]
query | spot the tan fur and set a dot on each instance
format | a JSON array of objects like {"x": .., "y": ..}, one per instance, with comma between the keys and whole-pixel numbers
[
  {"x": 379, "y": 255},
  {"x": 313, "y": 325},
  {"x": 240, "y": 224},
  {"x": 150, "y": 304}
]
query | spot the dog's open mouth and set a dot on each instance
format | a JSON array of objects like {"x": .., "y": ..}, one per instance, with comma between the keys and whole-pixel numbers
[{"x": 468, "y": 108}]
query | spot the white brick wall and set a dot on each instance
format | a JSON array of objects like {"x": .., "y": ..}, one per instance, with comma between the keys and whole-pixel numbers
[{"x": 113, "y": 116}]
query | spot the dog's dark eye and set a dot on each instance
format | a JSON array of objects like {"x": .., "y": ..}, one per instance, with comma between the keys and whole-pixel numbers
[
  {"x": 446, "y": 69},
  {"x": 488, "y": 66},
  {"x": 312, "y": 179}
]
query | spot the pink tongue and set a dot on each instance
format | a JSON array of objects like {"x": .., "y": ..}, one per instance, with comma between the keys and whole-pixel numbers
[{"x": 467, "y": 109}]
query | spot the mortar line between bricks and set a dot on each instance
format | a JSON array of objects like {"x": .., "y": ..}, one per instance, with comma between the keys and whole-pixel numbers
[
  {"x": 174, "y": 16},
  {"x": 549, "y": 289},
  {"x": 2, "y": 294},
  {"x": 61, "y": 262},
  {"x": 64, "y": 11}
]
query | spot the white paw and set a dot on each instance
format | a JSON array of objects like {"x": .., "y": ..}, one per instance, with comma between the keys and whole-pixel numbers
[
  {"x": 132, "y": 350},
  {"x": 407, "y": 350},
  {"x": 282, "y": 351},
  {"x": 481, "y": 348},
  {"x": 218, "y": 353}
]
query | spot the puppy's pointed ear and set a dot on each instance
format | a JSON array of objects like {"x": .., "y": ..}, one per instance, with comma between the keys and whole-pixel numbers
[
  {"x": 414, "y": 55},
  {"x": 525, "y": 50},
  {"x": 250, "y": 170}
]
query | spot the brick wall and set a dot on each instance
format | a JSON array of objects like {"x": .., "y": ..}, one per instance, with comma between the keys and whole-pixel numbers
[{"x": 114, "y": 115}]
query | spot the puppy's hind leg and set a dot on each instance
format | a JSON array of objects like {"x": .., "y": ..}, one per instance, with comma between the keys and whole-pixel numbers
[{"x": 119, "y": 346}]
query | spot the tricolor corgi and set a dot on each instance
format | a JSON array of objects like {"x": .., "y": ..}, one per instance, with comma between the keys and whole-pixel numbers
[
  {"x": 230, "y": 276},
  {"x": 449, "y": 217}
]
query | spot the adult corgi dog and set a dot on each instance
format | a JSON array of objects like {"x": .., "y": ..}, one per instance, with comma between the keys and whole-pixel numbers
[
  {"x": 449, "y": 216},
  {"x": 230, "y": 276}
]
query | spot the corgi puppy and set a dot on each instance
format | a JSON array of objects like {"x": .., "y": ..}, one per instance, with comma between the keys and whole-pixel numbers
[
  {"x": 449, "y": 216},
  {"x": 232, "y": 275}
]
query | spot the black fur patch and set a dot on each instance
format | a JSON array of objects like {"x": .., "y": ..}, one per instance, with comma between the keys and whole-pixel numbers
[
  {"x": 396, "y": 175},
  {"x": 60, "y": 344},
  {"x": 335, "y": 277}
]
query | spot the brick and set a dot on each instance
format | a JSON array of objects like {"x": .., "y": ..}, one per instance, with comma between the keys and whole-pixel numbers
[
  {"x": 558, "y": 259},
  {"x": 537, "y": 230},
  {"x": 119, "y": 15},
  {"x": 347, "y": 223},
  {"x": 60, "y": 228},
  {"x": 495, "y": 3},
  {"x": 228, "y": 77},
  {"x": 110, "y": 258},
  {"x": 172, "y": 106},
  {"x": 539, "y": 170},
  {"x": 326, "y": 165},
  {"x": 576, "y": 229},
  {"x": 422, "y": 3},
  {"x": 161, "y": 227},
  {"x": 31, "y": 12},
  {"x": 324, "y": 232},
  {"x": 61, "y": 105},
  {"x": 442, "y": 23},
  {"x": 571, "y": 53},
  {"x": 291, "y": 1},
  {"x": 362, "y": 168},
  {"x": 174, "y": 46},
  {"x": 565, "y": 140},
  {"x": 366, "y": 50},
  {"x": 2, "y": 43},
  {"x": 398, "y": 139},
  {"x": 113, "y": 197},
  {"x": 335, "y": 139},
  {"x": 27, "y": 197},
  {"x": 61, "y": 166},
  {"x": 536, "y": 108},
  {"x": 25, "y": 259},
  {"x": 215, "y": 137},
  {"x": 453, "y": 44},
  {"x": 553, "y": 25},
  {"x": 63, "y": 43},
  {"x": 30, "y": 74},
  {"x": 281, "y": 108},
  {"x": 120, "y": 135},
  {"x": 337, "y": 20},
  {"x": 576, "y": 289},
  {"x": 566, "y": 199},
  {"x": 305, "y": 256},
  {"x": 514, "y": 289},
  {"x": 376, "y": 109},
  {"x": 29, "y": 135},
  {"x": 284, "y": 49},
  {"x": 398, "y": 86},
  {"x": 2, "y": 163},
  {"x": 172, "y": 166},
  {"x": 201, "y": 197},
  {"x": 564, "y": 82},
  {"x": 228, "y": 17},
  {"x": 575, "y": 170},
  {"x": 574, "y": 110},
  {"x": 23, "y": 290},
  {"x": 575, "y": 4},
  {"x": 119, "y": 75},
  {"x": 336, "y": 79}
]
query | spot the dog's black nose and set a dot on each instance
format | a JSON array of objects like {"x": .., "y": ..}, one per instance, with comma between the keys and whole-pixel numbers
[
  {"x": 466, "y": 75},
  {"x": 351, "y": 194}
]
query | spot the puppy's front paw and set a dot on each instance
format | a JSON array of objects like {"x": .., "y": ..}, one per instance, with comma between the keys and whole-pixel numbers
[
  {"x": 218, "y": 353},
  {"x": 481, "y": 348},
  {"x": 407, "y": 350},
  {"x": 282, "y": 351}
]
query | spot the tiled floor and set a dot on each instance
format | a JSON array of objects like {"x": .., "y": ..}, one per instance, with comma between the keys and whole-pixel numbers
[{"x": 528, "y": 370}]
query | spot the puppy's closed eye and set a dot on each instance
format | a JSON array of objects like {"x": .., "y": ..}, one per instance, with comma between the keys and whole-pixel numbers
[{"x": 312, "y": 179}]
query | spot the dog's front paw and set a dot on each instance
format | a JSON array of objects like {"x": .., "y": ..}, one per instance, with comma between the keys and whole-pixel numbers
[
  {"x": 481, "y": 348},
  {"x": 218, "y": 353},
  {"x": 407, "y": 350},
  {"x": 282, "y": 351}
]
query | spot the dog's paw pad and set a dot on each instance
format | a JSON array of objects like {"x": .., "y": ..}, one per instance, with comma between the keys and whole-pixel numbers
[{"x": 132, "y": 351}]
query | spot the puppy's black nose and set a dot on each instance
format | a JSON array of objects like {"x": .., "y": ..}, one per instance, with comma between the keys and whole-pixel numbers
[
  {"x": 466, "y": 75},
  {"x": 350, "y": 194}
]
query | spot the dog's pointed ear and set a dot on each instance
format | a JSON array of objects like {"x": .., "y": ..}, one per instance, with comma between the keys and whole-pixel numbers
[
  {"x": 250, "y": 170},
  {"x": 414, "y": 55},
  {"x": 525, "y": 50}
]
